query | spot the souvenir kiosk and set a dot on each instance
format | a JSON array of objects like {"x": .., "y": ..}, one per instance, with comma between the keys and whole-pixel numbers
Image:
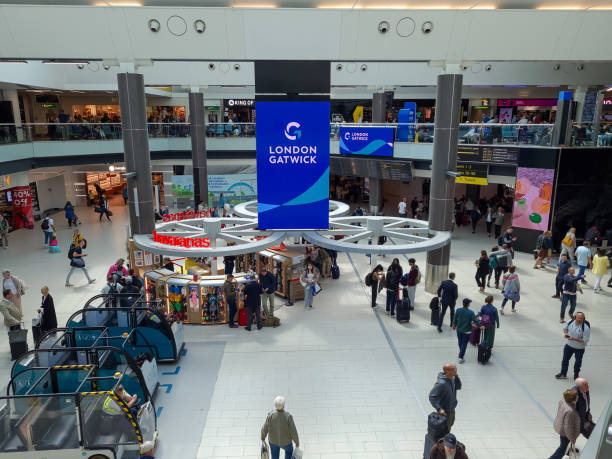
[{"x": 287, "y": 266}]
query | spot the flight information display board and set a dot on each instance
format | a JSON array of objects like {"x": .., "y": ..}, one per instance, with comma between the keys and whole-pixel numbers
[
  {"x": 357, "y": 167},
  {"x": 488, "y": 154},
  {"x": 472, "y": 173}
]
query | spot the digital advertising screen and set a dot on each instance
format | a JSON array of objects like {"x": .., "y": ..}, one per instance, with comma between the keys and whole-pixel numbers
[
  {"x": 533, "y": 196},
  {"x": 292, "y": 165},
  {"x": 366, "y": 140}
]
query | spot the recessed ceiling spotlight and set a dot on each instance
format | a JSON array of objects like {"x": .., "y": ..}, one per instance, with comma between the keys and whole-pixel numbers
[
  {"x": 199, "y": 26},
  {"x": 339, "y": 67},
  {"x": 236, "y": 67},
  {"x": 154, "y": 25},
  {"x": 363, "y": 67},
  {"x": 383, "y": 26}
]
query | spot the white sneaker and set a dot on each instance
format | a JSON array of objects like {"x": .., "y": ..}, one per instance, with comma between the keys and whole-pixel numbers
[{"x": 461, "y": 360}]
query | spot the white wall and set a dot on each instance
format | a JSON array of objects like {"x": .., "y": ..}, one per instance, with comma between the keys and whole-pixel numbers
[{"x": 51, "y": 193}]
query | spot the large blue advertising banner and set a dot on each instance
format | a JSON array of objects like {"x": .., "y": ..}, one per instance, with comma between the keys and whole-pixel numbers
[
  {"x": 292, "y": 165},
  {"x": 366, "y": 140}
]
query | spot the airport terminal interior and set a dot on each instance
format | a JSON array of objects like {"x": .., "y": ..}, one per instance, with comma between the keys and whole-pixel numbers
[{"x": 302, "y": 192}]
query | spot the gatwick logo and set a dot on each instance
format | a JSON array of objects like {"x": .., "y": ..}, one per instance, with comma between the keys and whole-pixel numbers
[{"x": 292, "y": 131}]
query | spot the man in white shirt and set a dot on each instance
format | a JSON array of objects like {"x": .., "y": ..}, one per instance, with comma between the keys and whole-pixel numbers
[
  {"x": 577, "y": 333},
  {"x": 583, "y": 258},
  {"x": 401, "y": 208},
  {"x": 48, "y": 227}
]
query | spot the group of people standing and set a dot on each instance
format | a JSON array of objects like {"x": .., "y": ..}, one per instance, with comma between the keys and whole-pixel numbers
[{"x": 394, "y": 280}]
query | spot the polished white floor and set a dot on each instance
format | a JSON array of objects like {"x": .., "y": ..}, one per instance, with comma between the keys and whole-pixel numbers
[{"x": 356, "y": 381}]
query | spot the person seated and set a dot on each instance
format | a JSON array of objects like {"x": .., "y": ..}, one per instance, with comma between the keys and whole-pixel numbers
[
  {"x": 111, "y": 408},
  {"x": 118, "y": 270},
  {"x": 131, "y": 290}
]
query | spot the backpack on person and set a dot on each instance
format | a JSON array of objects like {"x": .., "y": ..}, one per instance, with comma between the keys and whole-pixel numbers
[
  {"x": 404, "y": 280},
  {"x": 368, "y": 280},
  {"x": 418, "y": 278},
  {"x": 500, "y": 241},
  {"x": 583, "y": 322},
  {"x": 493, "y": 263},
  {"x": 45, "y": 224},
  {"x": 485, "y": 321},
  {"x": 502, "y": 260},
  {"x": 71, "y": 251}
]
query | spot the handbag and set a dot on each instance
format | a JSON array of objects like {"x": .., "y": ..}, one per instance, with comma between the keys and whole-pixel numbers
[
  {"x": 298, "y": 453},
  {"x": 78, "y": 262},
  {"x": 98, "y": 210},
  {"x": 571, "y": 452},
  {"x": 316, "y": 289},
  {"x": 265, "y": 451},
  {"x": 588, "y": 428}
]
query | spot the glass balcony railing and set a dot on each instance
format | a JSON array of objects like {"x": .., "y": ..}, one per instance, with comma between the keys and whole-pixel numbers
[
  {"x": 473, "y": 134},
  {"x": 588, "y": 135}
]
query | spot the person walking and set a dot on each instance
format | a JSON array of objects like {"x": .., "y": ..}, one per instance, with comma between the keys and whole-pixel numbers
[
  {"x": 583, "y": 258},
  {"x": 77, "y": 261},
  {"x": 4, "y": 231},
  {"x": 508, "y": 239},
  {"x": 268, "y": 286},
  {"x": 583, "y": 406},
  {"x": 489, "y": 220},
  {"x": 414, "y": 204},
  {"x": 443, "y": 395},
  {"x": 540, "y": 251},
  {"x": 577, "y": 333},
  {"x": 512, "y": 289},
  {"x": 414, "y": 277},
  {"x": 48, "y": 320},
  {"x": 280, "y": 430},
  {"x": 499, "y": 261},
  {"x": 103, "y": 206},
  {"x": 570, "y": 288},
  {"x": 498, "y": 220},
  {"x": 309, "y": 280},
  {"x": 567, "y": 423},
  {"x": 124, "y": 194},
  {"x": 562, "y": 269},
  {"x": 392, "y": 282},
  {"x": 69, "y": 213},
  {"x": 474, "y": 217},
  {"x": 448, "y": 293},
  {"x": 229, "y": 296},
  {"x": 568, "y": 244},
  {"x": 482, "y": 269},
  {"x": 376, "y": 281},
  {"x": 48, "y": 228},
  {"x": 252, "y": 301},
  {"x": 548, "y": 245},
  {"x": 16, "y": 286},
  {"x": 12, "y": 315},
  {"x": 601, "y": 263},
  {"x": 489, "y": 320},
  {"x": 448, "y": 447},
  {"x": 401, "y": 208},
  {"x": 463, "y": 322}
]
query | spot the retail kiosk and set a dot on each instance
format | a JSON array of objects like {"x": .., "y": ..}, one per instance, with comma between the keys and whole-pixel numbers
[{"x": 287, "y": 266}]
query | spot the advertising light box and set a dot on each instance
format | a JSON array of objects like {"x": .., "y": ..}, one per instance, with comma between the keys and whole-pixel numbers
[
  {"x": 366, "y": 140},
  {"x": 534, "y": 189},
  {"x": 292, "y": 165}
]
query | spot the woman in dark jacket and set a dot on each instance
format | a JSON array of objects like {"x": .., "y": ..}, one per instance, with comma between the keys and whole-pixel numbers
[
  {"x": 377, "y": 281},
  {"x": 488, "y": 326},
  {"x": 482, "y": 270},
  {"x": 392, "y": 279},
  {"x": 69, "y": 210},
  {"x": 47, "y": 308}
]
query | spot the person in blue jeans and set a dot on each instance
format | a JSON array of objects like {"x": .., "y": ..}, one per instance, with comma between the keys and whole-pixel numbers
[
  {"x": 584, "y": 259},
  {"x": 280, "y": 430},
  {"x": 570, "y": 285},
  {"x": 463, "y": 322}
]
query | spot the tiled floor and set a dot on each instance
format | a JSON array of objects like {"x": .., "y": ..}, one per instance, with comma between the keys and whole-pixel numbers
[{"x": 356, "y": 381}]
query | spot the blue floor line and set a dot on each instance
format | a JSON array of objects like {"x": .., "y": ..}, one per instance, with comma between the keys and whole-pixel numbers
[
  {"x": 175, "y": 372},
  {"x": 167, "y": 386},
  {"x": 159, "y": 411},
  {"x": 398, "y": 359},
  {"x": 523, "y": 388}
]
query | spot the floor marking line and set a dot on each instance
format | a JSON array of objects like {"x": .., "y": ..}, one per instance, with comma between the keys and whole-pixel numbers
[
  {"x": 167, "y": 386},
  {"x": 398, "y": 359},
  {"x": 184, "y": 352},
  {"x": 523, "y": 388},
  {"x": 175, "y": 372},
  {"x": 159, "y": 411}
]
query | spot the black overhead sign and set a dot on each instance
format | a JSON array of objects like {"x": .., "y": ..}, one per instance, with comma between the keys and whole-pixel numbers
[{"x": 488, "y": 154}]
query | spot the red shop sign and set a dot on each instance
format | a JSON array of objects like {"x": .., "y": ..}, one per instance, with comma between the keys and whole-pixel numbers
[
  {"x": 186, "y": 215},
  {"x": 180, "y": 241}
]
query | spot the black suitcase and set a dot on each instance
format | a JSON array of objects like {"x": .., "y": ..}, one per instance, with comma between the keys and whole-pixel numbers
[
  {"x": 429, "y": 444},
  {"x": 434, "y": 305},
  {"x": 402, "y": 310},
  {"x": 18, "y": 341},
  {"x": 484, "y": 351},
  {"x": 36, "y": 332},
  {"x": 437, "y": 426}
]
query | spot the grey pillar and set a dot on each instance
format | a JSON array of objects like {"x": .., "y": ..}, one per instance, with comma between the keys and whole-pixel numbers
[
  {"x": 198, "y": 148},
  {"x": 563, "y": 121},
  {"x": 442, "y": 191},
  {"x": 136, "y": 152},
  {"x": 379, "y": 111}
]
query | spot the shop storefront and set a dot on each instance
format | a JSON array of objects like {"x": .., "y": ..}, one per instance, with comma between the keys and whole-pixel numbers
[
  {"x": 537, "y": 111},
  {"x": 239, "y": 110}
]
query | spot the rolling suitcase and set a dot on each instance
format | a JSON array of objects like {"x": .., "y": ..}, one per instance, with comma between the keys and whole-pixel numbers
[
  {"x": 36, "y": 330},
  {"x": 402, "y": 310},
  {"x": 429, "y": 444},
  {"x": 484, "y": 352},
  {"x": 18, "y": 340},
  {"x": 475, "y": 337},
  {"x": 242, "y": 317},
  {"x": 437, "y": 426},
  {"x": 335, "y": 272},
  {"x": 434, "y": 305}
]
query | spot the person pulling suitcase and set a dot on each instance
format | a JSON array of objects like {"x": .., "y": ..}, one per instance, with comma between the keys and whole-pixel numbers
[{"x": 18, "y": 337}]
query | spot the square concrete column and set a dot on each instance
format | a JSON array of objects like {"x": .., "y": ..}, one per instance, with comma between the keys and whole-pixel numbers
[
  {"x": 442, "y": 190},
  {"x": 136, "y": 152},
  {"x": 198, "y": 148}
]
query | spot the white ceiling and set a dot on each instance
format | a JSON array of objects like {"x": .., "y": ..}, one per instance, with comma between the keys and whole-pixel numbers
[{"x": 345, "y": 4}]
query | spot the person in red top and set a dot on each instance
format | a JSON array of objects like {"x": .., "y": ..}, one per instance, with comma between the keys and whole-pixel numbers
[{"x": 413, "y": 279}]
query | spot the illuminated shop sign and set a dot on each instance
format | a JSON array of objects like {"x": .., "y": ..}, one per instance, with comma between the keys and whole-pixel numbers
[
  {"x": 240, "y": 102},
  {"x": 180, "y": 241}
]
